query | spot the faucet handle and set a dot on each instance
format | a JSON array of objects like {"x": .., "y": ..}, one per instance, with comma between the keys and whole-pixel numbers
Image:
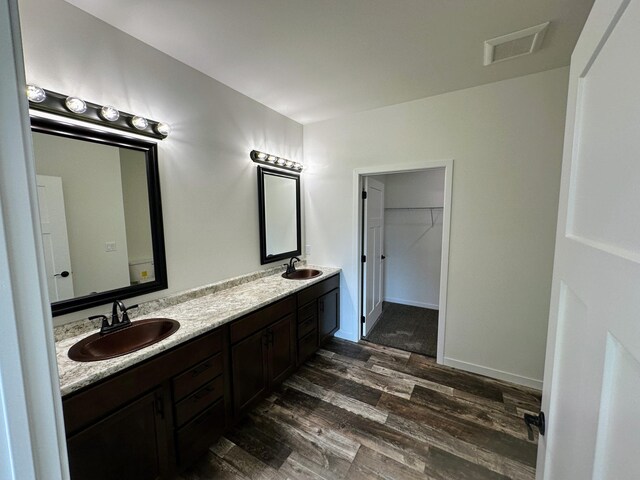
[
  {"x": 105, "y": 320},
  {"x": 125, "y": 315}
]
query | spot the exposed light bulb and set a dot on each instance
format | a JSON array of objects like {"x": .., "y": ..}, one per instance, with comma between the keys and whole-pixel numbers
[
  {"x": 281, "y": 161},
  {"x": 109, "y": 113},
  {"x": 289, "y": 163},
  {"x": 140, "y": 123},
  {"x": 163, "y": 129},
  {"x": 272, "y": 158},
  {"x": 260, "y": 155},
  {"x": 75, "y": 105},
  {"x": 36, "y": 94}
]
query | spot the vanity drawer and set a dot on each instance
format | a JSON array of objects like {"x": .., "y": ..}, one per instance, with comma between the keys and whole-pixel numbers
[
  {"x": 307, "y": 326},
  {"x": 196, "y": 376},
  {"x": 199, "y": 400},
  {"x": 308, "y": 311},
  {"x": 307, "y": 346},
  {"x": 195, "y": 437},
  {"x": 262, "y": 318},
  {"x": 314, "y": 291}
]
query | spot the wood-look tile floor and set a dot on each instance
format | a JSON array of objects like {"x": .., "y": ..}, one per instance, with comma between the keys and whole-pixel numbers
[{"x": 364, "y": 411}]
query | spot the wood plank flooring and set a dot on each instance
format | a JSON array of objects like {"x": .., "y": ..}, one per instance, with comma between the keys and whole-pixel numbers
[{"x": 365, "y": 411}]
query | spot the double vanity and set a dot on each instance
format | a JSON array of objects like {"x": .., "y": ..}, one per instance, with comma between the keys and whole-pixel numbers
[
  {"x": 142, "y": 400},
  {"x": 152, "y": 412}
]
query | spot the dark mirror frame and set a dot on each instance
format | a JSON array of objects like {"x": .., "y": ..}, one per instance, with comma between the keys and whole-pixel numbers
[
  {"x": 261, "y": 214},
  {"x": 150, "y": 149}
]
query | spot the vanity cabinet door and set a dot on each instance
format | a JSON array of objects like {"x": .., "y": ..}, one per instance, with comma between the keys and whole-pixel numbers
[
  {"x": 282, "y": 354},
  {"x": 249, "y": 367},
  {"x": 128, "y": 444},
  {"x": 328, "y": 315}
]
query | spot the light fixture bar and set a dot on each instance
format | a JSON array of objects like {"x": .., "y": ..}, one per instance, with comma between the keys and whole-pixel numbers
[
  {"x": 93, "y": 113},
  {"x": 273, "y": 161}
]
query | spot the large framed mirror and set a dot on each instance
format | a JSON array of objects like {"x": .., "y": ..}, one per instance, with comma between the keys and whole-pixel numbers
[
  {"x": 279, "y": 213},
  {"x": 101, "y": 215}
]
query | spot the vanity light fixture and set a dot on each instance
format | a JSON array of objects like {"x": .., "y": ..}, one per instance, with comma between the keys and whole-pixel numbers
[
  {"x": 75, "y": 105},
  {"x": 268, "y": 159},
  {"x": 109, "y": 113},
  {"x": 139, "y": 122},
  {"x": 163, "y": 129},
  {"x": 106, "y": 115},
  {"x": 35, "y": 94}
]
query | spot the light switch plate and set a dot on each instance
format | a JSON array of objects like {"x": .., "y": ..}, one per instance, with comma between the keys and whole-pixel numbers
[{"x": 110, "y": 247}]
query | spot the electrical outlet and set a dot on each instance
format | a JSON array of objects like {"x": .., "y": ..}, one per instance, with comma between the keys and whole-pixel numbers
[
  {"x": 110, "y": 247},
  {"x": 307, "y": 249}
]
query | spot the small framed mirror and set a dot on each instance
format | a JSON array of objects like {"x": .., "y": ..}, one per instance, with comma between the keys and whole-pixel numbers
[
  {"x": 100, "y": 213},
  {"x": 279, "y": 213}
]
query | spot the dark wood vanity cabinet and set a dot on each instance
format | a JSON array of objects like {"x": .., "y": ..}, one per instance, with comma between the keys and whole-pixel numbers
[
  {"x": 262, "y": 352},
  {"x": 157, "y": 417},
  {"x": 151, "y": 419},
  {"x": 318, "y": 315},
  {"x": 128, "y": 444}
]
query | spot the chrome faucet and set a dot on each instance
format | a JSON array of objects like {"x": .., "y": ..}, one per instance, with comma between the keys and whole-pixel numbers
[{"x": 291, "y": 266}]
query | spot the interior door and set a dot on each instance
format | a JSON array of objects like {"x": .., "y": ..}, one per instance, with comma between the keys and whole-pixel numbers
[
  {"x": 55, "y": 240},
  {"x": 592, "y": 371},
  {"x": 373, "y": 241}
]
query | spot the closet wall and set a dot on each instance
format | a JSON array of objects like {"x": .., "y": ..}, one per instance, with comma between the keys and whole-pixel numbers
[{"x": 412, "y": 242}]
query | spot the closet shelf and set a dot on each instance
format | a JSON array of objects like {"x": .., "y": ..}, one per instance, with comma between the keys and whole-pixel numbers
[{"x": 431, "y": 209}]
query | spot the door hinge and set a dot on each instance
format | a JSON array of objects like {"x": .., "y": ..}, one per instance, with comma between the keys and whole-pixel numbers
[
  {"x": 362, "y": 320},
  {"x": 364, "y": 194},
  {"x": 364, "y": 259}
]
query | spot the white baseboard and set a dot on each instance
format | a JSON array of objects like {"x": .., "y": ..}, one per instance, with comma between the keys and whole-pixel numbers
[
  {"x": 402, "y": 301},
  {"x": 493, "y": 373}
]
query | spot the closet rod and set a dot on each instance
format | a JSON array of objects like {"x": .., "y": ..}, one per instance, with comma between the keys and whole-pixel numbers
[{"x": 412, "y": 208}]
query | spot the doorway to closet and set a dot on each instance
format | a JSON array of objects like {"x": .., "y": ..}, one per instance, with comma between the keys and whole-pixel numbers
[{"x": 403, "y": 233}]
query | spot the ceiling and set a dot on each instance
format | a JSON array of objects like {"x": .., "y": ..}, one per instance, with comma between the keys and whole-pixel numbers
[{"x": 312, "y": 60}]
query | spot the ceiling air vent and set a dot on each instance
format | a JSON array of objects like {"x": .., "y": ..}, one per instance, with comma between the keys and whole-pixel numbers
[{"x": 514, "y": 44}]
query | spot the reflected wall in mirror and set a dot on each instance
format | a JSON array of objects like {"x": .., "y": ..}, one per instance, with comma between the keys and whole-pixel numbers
[
  {"x": 100, "y": 212},
  {"x": 279, "y": 209}
]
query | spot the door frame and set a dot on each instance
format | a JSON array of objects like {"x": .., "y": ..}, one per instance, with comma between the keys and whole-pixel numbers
[
  {"x": 602, "y": 20},
  {"x": 358, "y": 181}
]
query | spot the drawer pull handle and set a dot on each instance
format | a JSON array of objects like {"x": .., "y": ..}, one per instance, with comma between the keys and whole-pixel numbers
[
  {"x": 203, "y": 393},
  {"x": 198, "y": 370}
]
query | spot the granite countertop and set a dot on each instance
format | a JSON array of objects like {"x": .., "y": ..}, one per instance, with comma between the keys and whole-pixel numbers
[{"x": 197, "y": 315}]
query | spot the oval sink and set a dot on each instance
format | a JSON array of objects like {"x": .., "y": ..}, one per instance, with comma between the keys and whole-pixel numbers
[
  {"x": 302, "y": 274},
  {"x": 138, "y": 335}
]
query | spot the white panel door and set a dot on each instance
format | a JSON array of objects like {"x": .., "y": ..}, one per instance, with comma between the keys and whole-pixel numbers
[
  {"x": 592, "y": 371},
  {"x": 373, "y": 242},
  {"x": 55, "y": 240}
]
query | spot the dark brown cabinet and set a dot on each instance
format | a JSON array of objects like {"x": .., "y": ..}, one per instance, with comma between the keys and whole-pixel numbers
[
  {"x": 152, "y": 419},
  {"x": 282, "y": 353},
  {"x": 328, "y": 315},
  {"x": 155, "y": 418},
  {"x": 262, "y": 352},
  {"x": 318, "y": 316},
  {"x": 128, "y": 444},
  {"x": 249, "y": 370}
]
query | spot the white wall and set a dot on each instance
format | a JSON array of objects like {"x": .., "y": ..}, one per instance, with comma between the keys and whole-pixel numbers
[
  {"x": 412, "y": 243},
  {"x": 135, "y": 198},
  {"x": 506, "y": 142},
  {"x": 92, "y": 189},
  {"x": 208, "y": 182}
]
